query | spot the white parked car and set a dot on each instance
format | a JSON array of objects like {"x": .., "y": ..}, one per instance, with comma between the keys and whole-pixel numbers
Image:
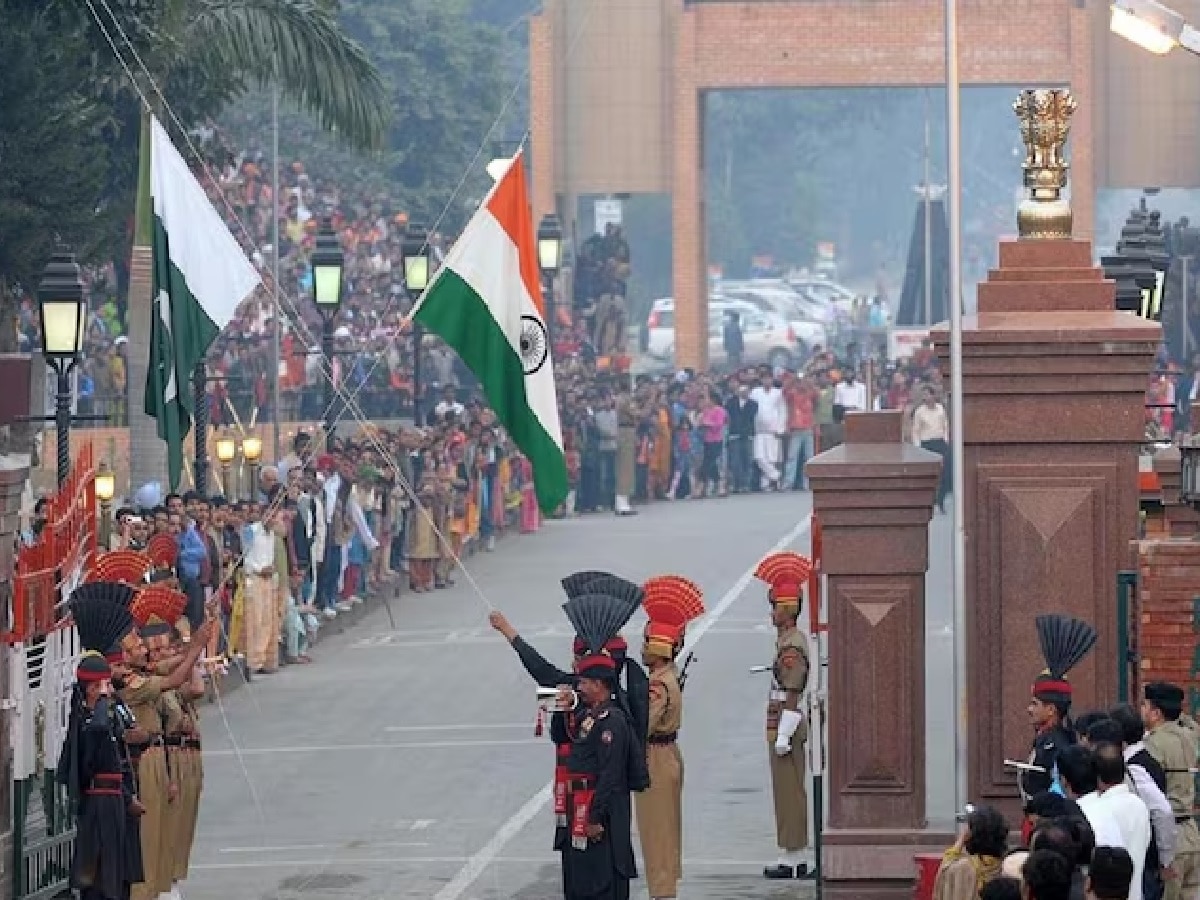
[{"x": 767, "y": 337}]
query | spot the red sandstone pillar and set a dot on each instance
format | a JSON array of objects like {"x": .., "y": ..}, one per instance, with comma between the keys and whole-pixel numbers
[
  {"x": 1054, "y": 391},
  {"x": 874, "y": 497}
]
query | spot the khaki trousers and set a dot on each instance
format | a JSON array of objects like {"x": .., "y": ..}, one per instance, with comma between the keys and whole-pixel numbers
[
  {"x": 156, "y": 840},
  {"x": 260, "y": 623},
  {"x": 660, "y": 820},
  {"x": 791, "y": 798},
  {"x": 189, "y": 775},
  {"x": 1186, "y": 883}
]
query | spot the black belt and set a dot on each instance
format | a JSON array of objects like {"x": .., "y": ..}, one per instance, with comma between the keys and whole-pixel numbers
[
  {"x": 580, "y": 782},
  {"x": 106, "y": 784},
  {"x": 1179, "y": 820},
  {"x": 662, "y": 740},
  {"x": 139, "y": 749}
]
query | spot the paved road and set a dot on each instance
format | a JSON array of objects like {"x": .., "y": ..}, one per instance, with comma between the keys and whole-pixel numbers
[{"x": 404, "y": 765}]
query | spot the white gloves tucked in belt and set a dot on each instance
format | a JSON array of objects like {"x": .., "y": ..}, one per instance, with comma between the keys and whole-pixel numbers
[{"x": 789, "y": 722}]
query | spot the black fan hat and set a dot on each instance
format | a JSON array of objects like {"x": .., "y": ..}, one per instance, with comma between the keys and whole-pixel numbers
[
  {"x": 597, "y": 618},
  {"x": 1064, "y": 641},
  {"x": 101, "y": 624},
  {"x": 576, "y": 585},
  {"x": 618, "y": 588},
  {"x": 108, "y": 591}
]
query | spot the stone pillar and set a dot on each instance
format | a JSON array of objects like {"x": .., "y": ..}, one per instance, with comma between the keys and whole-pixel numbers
[
  {"x": 542, "y": 130},
  {"x": 1182, "y": 521},
  {"x": 689, "y": 281},
  {"x": 874, "y": 496},
  {"x": 1053, "y": 403},
  {"x": 12, "y": 485}
]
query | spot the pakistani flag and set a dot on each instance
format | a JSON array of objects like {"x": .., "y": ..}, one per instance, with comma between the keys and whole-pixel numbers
[{"x": 200, "y": 277}]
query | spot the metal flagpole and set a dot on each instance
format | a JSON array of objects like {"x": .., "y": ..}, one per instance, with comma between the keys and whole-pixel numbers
[
  {"x": 276, "y": 311},
  {"x": 958, "y": 504},
  {"x": 928, "y": 192}
]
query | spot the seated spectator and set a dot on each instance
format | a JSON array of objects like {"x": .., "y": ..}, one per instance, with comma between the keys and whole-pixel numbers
[
  {"x": 975, "y": 859},
  {"x": 1110, "y": 875},
  {"x": 1047, "y": 876}
]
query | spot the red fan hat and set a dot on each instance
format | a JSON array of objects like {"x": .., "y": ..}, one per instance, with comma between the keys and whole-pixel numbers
[
  {"x": 157, "y": 608},
  {"x": 671, "y": 602},
  {"x": 163, "y": 550},
  {"x": 786, "y": 573},
  {"x": 124, "y": 566}
]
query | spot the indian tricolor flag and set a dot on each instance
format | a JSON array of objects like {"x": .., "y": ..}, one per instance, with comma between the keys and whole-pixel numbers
[
  {"x": 486, "y": 303},
  {"x": 201, "y": 276}
]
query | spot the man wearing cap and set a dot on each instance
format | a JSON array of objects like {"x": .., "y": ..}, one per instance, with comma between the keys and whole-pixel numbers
[
  {"x": 142, "y": 693},
  {"x": 1064, "y": 642},
  {"x": 671, "y": 602},
  {"x": 1174, "y": 747},
  {"x": 786, "y": 573},
  {"x": 598, "y": 862}
]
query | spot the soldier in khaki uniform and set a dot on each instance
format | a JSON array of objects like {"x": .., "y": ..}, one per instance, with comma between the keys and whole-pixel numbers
[
  {"x": 671, "y": 602},
  {"x": 1175, "y": 749},
  {"x": 786, "y": 573},
  {"x": 142, "y": 693}
]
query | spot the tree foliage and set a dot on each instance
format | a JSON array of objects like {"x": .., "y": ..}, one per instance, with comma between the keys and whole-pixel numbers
[{"x": 53, "y": 160}]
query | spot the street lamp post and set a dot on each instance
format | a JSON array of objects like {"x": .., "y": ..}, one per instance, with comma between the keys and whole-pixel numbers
[
  {"x": 106, "y": 489},
  {"x": 63, "y": 314},
  {"x": 416, "y": 279},
  {"x": 549, "y": 244},
  {"x": 226, "y": 451},
  {"x": 252, "y": 447},
  {"x": 200, "y": 425},
  {"x": 328, "y": 263}
]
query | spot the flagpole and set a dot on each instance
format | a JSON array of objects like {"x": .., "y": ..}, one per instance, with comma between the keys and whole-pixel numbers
[{"x": 278, "y": 329}]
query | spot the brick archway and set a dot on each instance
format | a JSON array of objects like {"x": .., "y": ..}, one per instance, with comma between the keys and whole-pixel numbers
[{"x": 723, "y": 45}]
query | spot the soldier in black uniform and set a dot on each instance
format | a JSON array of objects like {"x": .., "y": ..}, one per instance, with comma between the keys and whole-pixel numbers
[
  {"x": 1064, "y": 642},
  {"x": 565, "y": 725},
  {"x": 598, "y": 861},
  {"x": 91, "y": 765}
]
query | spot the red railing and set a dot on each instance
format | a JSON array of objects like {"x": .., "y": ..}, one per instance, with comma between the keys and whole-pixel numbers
[{"x": 63, "y": 552}]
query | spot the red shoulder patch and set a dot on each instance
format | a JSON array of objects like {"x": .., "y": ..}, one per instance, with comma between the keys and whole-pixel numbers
[
  {"x": 789, "y": 657},
  {"x": 657, "y": 690}
]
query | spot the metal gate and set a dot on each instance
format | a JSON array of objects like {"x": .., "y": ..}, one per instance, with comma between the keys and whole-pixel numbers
[{"x": 43, "y": 654}]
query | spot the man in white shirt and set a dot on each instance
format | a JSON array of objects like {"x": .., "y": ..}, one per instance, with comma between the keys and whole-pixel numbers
[
  {"x": 1077, "y": 769},
  {"x": 770, "y": 424},
  {"x": 258, "y": 594},
  {"x": 1126, "y": 807},
  {"x": 850, "y": 394}
]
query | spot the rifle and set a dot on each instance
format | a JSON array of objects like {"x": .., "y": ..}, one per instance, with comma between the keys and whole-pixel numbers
[{"x": 683, "y": 672}]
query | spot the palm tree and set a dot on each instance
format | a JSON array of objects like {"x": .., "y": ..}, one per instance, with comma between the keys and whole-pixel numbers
[{"x": 221, "y": 47}]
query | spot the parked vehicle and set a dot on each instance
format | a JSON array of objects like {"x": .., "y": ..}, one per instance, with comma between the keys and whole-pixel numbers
[{"x": 767, "y": 337}]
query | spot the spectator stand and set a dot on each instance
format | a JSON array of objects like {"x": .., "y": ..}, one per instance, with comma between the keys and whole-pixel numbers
[{"x": 43, "y": 654}]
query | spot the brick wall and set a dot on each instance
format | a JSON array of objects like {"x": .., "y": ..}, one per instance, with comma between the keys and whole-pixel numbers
[
  {"x": 834, "y": 43},
  {"x": 1168, "y": 613}
]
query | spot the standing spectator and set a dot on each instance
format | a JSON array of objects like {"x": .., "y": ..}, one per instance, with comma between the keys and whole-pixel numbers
[
  {"x": 1110, "y": 874},
  {"x": 259, "y": 595},
  {"x": 712, "y": 433},
  {"x": 1077, "y": 767},
  {"x": 1130, "y": 812},
  {"x": 849, "y": 396},
  {"x": 732, "y": 340},
  {"x": 742, "y": 412},
  {"x": 606, "y": 429},
  {"x": 931, "y": 431},
  {"x": 769, "y": 427},
  {"x": 801, "y": 398}
]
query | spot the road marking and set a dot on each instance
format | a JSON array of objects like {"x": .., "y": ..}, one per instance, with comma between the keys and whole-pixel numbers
[
  {"x": 421, "y": 824},
  {"x": 501, "y": 726},
  {"x": 293, "y": 848},
  {"x": 478, "y": 862},
  {"x": 697, "y": 863},
  {"x": 335, "y": 748},
  {"x": 487, "y": 638}
]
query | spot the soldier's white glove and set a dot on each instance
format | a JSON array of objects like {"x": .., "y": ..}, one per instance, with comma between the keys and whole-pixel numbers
[{"x": 789, "y": 721}]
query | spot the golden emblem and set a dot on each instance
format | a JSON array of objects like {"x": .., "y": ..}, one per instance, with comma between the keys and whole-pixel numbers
[{"x": 1045, "y": 120}]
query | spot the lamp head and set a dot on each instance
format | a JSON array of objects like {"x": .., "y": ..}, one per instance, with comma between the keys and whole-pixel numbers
[
  {"x": 416, "y": 258},
  {"x": 62, "y": 307},
  {"x": 1149, "y": 24},
  {"x": 226, "y": 449},
  {"x": 106, "y": 484},
  {"x": 328, "y": 263},
  {"x": 549, "y": 242},
  {"x": 252, "y": 447}
]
